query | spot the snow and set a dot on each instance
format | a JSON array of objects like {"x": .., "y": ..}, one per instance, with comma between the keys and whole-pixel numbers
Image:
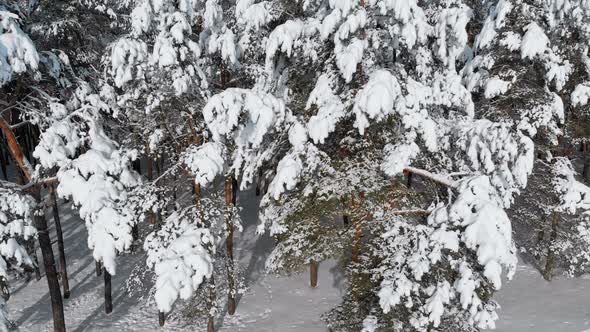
[
  {"x": 528, "y": 302},
  {"x": 268, "y": 303},
  {"x": 283, "y": 39},
  {"x": 581, "y": 94},
  {"x": 534, "y": 42},
  {"x": 496, "y": 87},
  {"x": 205, "y": 162},
  {"x": 377, "y": 99},
  {"x": 181, "y": 259},
  {"x": 17, "y": 51},
  {"x": 574, "y": 195},
  {"x": 330, "y": 110}
]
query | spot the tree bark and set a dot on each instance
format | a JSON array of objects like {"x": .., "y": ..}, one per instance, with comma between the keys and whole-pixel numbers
[
  {"x": 3, "y": 163},
  {"x": 98, "y": 266},
  {"x": 15, "y": 150},
  {"x": 60, "y": 245},
  {"x": 229, "y": 245},
  {"x": 259, "y": 182},
  {"x": 313, "y": 274},
  {"x": 212, "y": 303},
  {"x": 550, "y": 262},
  {"x": 586, "y": 169},
  {"x": 108, "y": 298},
  {"x": 150, "y": 169},
  {"x": 161, "y": 318},
  {"x": 51, "y": 274}
]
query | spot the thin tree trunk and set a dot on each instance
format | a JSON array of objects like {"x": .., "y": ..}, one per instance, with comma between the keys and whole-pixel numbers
[
  {"x": 212, "y": 304},
  {"x": 51, "y": 274},
  {"x": 149, "y": 168},
  {"x": 259, "y": 182},
  {"x": 60, "y": 245},
  {"x": 313, "y": 274},
  {"x": 108, "y": 298},
  {"x": 550, "y": 262},
  {"x": 135, "y": 232},
  {"x": 161, "y": 318},
  {"x": 229, "y": 244},
  {"x": 586, "y": 169},
  {"x": 98, "y": 267},
  {"x": 345, "y": 220},
  {"x": 3, "y": 162}
]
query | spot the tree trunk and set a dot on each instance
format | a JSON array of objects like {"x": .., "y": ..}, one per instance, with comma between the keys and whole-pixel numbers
[
  {"x": 50, "y": 274},
  {"x": 197, "y": 192},
  {"x": 212, "y": 305},
  {"x": 161, "y": 318},
  {"x": 550, "y": 262},
  {"x": 345, "y": 220},
  {"x": 33, "y": 250},
  {"x": 259, "y": 182},
  {"x": 60, "y": 245},
  {"x": 98, "y": 266},
  {"x": 149, "y": 167},
  {"x": 586, "y": 169},
  {"x": 108, "y": 298},
  {"x": 229, "y": 245},
  {"x": 313, "y": 274},
  {"x": 135, "y": 232},
  {"x": 3, "y": 162}
]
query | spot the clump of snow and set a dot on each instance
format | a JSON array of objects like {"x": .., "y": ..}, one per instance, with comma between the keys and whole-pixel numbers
[
  {"x": 205, "y": 162},
  {"x": 330, "y": 110},
  {"x": 534, "y": 42},
  {"x": 181, "y": 256},
  {"x": 17, "y": 51},
  {"x": 581, "y": 94},
  {"x": 496, "y": 87}
]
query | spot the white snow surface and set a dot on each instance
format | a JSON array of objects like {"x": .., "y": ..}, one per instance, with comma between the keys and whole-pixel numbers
[{"x": 528, "y": 302}]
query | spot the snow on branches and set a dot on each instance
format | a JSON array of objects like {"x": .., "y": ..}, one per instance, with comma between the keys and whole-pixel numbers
[
  {"x": 181, "y": 254},
  {"x": 473, "y": 225},
  {"x": 95, "y": 173},
  {"x": 16, "y": 227},
  {"x": 17, "y": 51}
]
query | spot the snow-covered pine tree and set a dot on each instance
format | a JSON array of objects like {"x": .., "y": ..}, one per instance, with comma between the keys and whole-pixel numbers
[{"x": 411, "y": 107}]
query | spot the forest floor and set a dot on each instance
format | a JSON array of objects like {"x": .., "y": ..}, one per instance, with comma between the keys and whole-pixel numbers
[{"x": 268, "y": 303}]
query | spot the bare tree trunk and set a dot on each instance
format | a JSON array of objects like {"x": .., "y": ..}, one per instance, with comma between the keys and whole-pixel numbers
[
  {"x": 3, "y": 162},
  {"x": 313, "y": 273},
  {"x": 98, "y": 267},
  {"x": 212, "y": 305},
  {"x": 408, "y": 178},
  {"x": 345, "y": 220},
  {"x": 550, "y": 262},
  {"x": 259, "y": 182},
  {"x": 135, "y": 232},
  {"x": 51, "y": 274},
  {"x": 586, "y": 169},
  {"x": 108, "y": 298},
  {"x": 229, "y": 244},
  {"x": 60, "y": 245},
  {"x": 161, "y": 318},
  {"x": 150, "y": 169}
]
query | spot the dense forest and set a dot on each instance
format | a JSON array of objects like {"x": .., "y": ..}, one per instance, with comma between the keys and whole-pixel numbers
[{"x": 424, "y": 145}]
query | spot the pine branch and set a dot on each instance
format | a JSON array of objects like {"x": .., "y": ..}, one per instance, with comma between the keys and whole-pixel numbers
[{"x": 431, "y": 176}]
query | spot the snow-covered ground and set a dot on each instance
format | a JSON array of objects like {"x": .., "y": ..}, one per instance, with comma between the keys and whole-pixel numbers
[{"x": 270, "y": 303}]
